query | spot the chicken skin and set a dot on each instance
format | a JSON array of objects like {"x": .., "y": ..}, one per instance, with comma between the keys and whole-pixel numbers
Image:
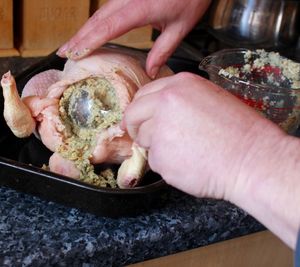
[{"x": 76, "y": 113}]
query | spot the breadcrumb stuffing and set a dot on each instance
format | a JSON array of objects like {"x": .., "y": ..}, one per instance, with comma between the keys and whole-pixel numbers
[{"x": 81, "y": 131}]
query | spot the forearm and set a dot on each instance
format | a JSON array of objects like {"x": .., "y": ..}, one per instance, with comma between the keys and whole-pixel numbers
[{"x": 271, "y": 186}]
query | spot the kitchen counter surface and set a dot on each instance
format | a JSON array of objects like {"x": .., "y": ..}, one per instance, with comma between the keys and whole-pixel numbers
[{"x": 35, "y": 232}]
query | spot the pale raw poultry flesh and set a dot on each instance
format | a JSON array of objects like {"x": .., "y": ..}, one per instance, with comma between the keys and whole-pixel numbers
[{"x": 76, "y": 114}]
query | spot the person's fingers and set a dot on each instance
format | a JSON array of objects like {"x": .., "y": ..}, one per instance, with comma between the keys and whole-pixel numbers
[
  {"x": 106, "y": 10},
  {"x": 101, "y": 28},
  {"x": 139, "y": 112},
  {"x": 154, "y": 86},
  {"x": 169, "y": 81},
  {"x": 145, "y": 133},
  {"x": 163, "y": 47}
]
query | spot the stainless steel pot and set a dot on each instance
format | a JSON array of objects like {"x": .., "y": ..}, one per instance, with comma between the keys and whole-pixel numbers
[{"x": 255, "y": 23}]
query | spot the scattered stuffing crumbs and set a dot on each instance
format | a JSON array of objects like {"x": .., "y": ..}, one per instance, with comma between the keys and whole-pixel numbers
[{"x": 46, "y": 167}]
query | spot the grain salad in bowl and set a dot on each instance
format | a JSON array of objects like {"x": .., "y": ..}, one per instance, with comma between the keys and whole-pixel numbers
[{"x": 266, "y": 81}]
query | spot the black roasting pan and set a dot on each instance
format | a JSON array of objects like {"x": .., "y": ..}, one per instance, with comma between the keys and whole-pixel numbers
[{"x": 21, "y": 161}]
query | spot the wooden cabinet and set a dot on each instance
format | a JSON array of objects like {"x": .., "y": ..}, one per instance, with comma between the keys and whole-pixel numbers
[
  {"x": 45, "y": 25},
  {"x": 41, "y": 26},
  {"x": 261, "y": 249},
  {"x": 6, "y": 29}
]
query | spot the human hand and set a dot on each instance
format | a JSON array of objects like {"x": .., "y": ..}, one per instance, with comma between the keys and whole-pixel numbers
[
  {"x": 174, "y": 18},
  {"x": 206, "y": 142},
  {"x": 199, "y": 136}
]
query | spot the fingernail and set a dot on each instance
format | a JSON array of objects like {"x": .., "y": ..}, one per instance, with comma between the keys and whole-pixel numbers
[
  {"x": 62, "y": 50},
  {"x": 153, "y": 72},
  {"x": 77, "y": 54},
  {"x": 70, "y": 54},
  {"x": 83, "y": 52}
]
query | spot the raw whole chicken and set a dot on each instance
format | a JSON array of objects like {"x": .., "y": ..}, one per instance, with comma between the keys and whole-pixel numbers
[{"x": 76, "y": 114}]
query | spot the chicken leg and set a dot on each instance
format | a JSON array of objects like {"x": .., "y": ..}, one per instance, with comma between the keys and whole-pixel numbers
[
  {"x": 132, "y": 169},
  {"x": 16, "y": 114}
]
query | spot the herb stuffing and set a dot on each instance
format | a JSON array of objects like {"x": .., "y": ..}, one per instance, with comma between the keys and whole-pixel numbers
[{"x": 86, "y": 108}]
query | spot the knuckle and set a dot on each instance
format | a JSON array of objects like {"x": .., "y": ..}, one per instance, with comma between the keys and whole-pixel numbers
[
  {"x": 109, "y": 26},
  {"x": 94, "y": 19},
  {"x": 185, "y": 76},
  {"x": 162, "y": 54},
  {"x": 192, "y": 79},
  {"x": 171, "y": 98},
  {"x": 180, "y": 30}
]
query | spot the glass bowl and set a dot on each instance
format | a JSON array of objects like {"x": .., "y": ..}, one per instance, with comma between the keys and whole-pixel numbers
[{"x": 260, "y": 79}]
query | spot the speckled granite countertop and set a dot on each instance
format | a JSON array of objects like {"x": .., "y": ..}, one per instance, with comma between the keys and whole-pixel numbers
[{"x": 35, "y": 232}]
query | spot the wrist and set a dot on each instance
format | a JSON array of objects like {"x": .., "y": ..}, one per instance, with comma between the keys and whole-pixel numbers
[{"x": 268, "y": 183}]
